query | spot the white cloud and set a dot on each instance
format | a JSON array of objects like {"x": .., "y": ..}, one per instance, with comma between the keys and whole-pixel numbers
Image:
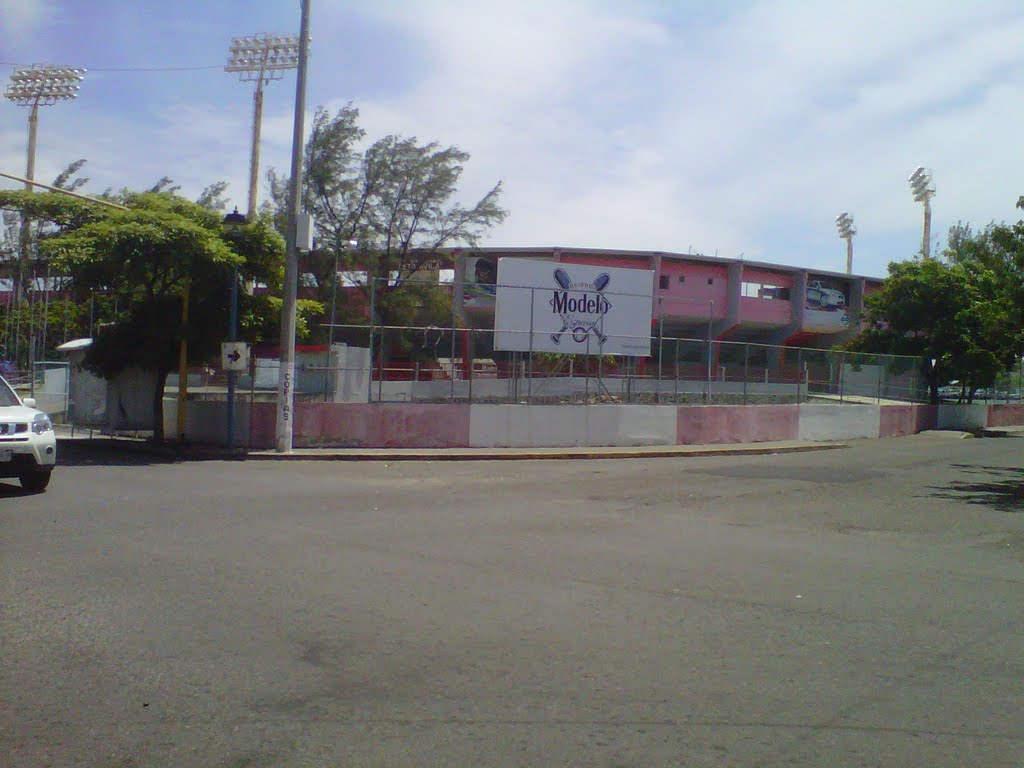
[
  {"x": 743, "y": 127},
  {"x": 18, "y": 17}
]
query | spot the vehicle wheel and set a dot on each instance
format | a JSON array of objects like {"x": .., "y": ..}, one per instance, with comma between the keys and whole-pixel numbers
[{"x": 36, "y": 480}]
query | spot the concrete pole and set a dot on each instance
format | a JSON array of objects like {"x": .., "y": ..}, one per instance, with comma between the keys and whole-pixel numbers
[
  {"x": 926, "y": 246},
  {"x": 26, "y": 234},
  {"x": 254, "y": 157},
  {"x": 849, "y": 254},
  {"x": 286, "y": 375}
]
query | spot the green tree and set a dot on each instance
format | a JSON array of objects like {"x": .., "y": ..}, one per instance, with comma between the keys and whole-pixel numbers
[
  {"x": 955, "y": 314},
  {"x": 397, "y": 200}
]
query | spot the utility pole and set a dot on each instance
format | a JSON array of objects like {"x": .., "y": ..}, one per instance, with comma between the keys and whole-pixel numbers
[
  {"x": 286, "y": 375},
  {"x": 260, "y": 59}
]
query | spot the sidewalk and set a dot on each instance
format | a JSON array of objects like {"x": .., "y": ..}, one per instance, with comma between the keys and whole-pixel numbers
[{"x": 173, "y": 452}]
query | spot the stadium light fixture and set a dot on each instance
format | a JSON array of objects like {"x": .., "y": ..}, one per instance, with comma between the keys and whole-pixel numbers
[
  {"x": 39, "y": 85},
  {"x": 260, "y": 59},
  {"x": 844, "y": 223}
]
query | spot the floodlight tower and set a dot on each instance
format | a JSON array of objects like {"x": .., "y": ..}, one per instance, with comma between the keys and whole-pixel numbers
[
  {"x": 260, "y": 59},
  {"x": 40, "y": 85},
  {"x": 921, "y": 184},
  {"x": 844, "y": 223}
]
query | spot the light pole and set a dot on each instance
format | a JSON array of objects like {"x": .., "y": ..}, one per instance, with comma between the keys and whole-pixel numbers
[
  {"x": 260, "y": 59},
  {"x": 921, "y": 184},
  {"x": 234, "y": 219},
  {"x": 844, "y": 223},
  {"x": 40, "y": 85},
  {"x": 286, "y": 376}
]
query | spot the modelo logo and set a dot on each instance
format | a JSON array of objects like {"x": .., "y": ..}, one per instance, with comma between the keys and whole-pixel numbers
[{"x": 581, "y": 306}]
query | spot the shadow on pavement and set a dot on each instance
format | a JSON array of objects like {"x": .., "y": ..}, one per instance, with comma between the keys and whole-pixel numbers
[
  {"x": 79, "y": 453},
  {"x": 11, "y": 489},
  {"x": 1001, "y": 488}
]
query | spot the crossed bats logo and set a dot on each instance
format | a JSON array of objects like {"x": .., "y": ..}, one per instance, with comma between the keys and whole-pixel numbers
[{"x": 581, "y": 314}]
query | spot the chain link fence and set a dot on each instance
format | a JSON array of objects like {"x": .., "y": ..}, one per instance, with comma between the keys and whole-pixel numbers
[{"x": 460, "y": 365}]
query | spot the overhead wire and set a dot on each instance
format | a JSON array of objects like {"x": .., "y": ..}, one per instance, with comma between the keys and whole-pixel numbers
[{"x": 134, "y": 69}]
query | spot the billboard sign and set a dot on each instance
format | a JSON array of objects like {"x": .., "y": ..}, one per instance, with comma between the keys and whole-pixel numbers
[
  {"x": 573, "y": 309},
  {"x": 825, "y": 310}
]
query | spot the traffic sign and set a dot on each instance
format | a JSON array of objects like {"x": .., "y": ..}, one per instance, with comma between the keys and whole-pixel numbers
[{"x": 234, "y": 356}]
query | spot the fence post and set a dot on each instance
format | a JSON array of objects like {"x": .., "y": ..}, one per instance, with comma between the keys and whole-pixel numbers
[
  {"x": 661, "y": 346},
  {"x": 746, "y": 369},
  {"x": 452, "y": 353},
  {"x": 675, "y": 384},
  {"x": 586, "y": 381},
  {"x": 380, "y": 366},
  {"x": 529, "y": 368},
  {"x": 369, "y": 366},
  {"x": 842, "y": 375},
  {"x": 878, "y": 392},
  {"x": 799, "y": 367}
]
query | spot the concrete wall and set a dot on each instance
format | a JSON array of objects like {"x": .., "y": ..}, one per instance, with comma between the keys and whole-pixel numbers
[
  {"x": 398, "y": 425},
  {"x": 699, "y": 425},
  {"x": 206, "y": 421},
  {"x": 1005, "y": 415},
  {"x": 839, "y": 422},
  {"x": 516, "y": 426},
  {"x": 362, "y": 425},
  {"x": 129, "y": 400},
  {"x": 898, "y": 420},
  {"x": 967, "y": 417}
]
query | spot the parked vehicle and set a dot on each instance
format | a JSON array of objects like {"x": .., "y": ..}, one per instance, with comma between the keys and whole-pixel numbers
[{"x": 28, "y": 445}]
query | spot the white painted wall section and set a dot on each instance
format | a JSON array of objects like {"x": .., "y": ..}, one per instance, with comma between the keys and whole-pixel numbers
[
  {"x": 523, "y": 426},
  {"x": 966, "y": 417},
  {"x": 839, "y": 422}
]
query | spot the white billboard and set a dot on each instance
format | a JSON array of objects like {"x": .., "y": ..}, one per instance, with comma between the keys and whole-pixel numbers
[{"x": 573, "y": 309}]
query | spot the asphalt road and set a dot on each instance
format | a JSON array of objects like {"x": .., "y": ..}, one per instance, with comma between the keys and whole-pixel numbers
[{"x": 844, "y": 608}]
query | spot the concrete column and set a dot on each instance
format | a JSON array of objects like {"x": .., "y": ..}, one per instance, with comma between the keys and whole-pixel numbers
[
  {"x": 854, "y": 309},
  {"x": 735, "y": 289}
]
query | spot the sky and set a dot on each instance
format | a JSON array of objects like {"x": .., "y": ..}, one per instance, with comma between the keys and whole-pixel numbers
[{"x": 740, "y": 128}]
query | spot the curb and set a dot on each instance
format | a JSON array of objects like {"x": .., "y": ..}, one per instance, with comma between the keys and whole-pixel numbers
[
  {"x": 171, "y": 453},
  {"x": 534, "y": 455}
]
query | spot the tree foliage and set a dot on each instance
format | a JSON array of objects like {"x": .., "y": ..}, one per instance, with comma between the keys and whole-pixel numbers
[
  {"x": 396, "y": 199},
  {"x": 963, "y": 311}
]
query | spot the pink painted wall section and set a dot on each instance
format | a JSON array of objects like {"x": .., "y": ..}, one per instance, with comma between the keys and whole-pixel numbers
[
  {"x": 695, "y": 288},
  {"x": 1006, "y": 415},
  {"x": 366, "y": 425},
  {"x": 772, "y": 311},
  {"x": 899, "y": 420},
  {"x": 706, "y": 424},
  {"x": 261, "y": 424},
  {"x": 767, "y": 277}
]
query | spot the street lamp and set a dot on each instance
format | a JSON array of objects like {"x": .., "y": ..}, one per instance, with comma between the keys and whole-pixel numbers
[
  {"x": 260, "y": 59},
  {"x": 921, "y": 184},
  {"x": 40, "y": 85},
  {"x": 844, "y": 223},
  {"x": 233, "y": 219}
]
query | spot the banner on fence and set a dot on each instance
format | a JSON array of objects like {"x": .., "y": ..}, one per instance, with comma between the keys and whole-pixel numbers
[{"x": 574, "y": 309}]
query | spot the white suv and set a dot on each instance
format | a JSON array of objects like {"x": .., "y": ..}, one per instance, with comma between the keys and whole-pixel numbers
[{"x": 28, "y": 446}]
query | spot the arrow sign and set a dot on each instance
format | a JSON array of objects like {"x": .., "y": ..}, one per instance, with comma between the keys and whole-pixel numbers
[{"x": 234, "y": 356}]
